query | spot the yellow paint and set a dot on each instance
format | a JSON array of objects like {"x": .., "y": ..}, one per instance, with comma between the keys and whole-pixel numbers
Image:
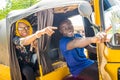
[
  {"x": 4, "y": 72},
  {"x": 57, "y": 74},
  {"x": 112, "y": 69},
  {"x": 112, "y": 55},
  {"x": 41, "y": 73},
  {"x": 97, "y": 22},
  {"x": 113, "y": 62},
  {"x": 97, "y": 12}
]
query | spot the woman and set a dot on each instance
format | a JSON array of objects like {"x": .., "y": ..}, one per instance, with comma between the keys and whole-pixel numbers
[{"x": 24, "y": 41}]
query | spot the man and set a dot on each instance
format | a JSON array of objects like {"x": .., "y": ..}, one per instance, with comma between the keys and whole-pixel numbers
[
  {"x": 23, "y": 40},
  {"x": 72, "y": 47}
]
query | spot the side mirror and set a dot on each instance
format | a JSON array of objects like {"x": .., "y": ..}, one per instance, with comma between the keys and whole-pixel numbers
[{"x": 85, "y": 10}]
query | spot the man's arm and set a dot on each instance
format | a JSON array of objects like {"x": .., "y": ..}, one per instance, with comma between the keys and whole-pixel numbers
[
  {"x": 82, "y": 42},
  {"x": 79, "y": 43}
]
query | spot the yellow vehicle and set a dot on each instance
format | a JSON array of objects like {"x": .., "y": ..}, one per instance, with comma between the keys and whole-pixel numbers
[{"x": 97, "y": 15}]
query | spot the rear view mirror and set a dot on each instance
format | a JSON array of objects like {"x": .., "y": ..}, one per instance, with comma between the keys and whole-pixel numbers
[{"x": 85, "y": 10}]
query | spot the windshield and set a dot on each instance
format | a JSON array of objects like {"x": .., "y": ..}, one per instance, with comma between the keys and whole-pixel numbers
[{"x": 112, "y": 19}]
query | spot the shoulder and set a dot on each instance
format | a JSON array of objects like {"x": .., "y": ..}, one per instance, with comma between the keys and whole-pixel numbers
[
  {"x": 16, "y": 40},
  {"x": 63, "y": 44},
  {"x": 65, "y": 39}
]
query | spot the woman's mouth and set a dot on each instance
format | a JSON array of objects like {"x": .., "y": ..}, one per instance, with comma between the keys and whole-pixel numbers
[{"x": 24, "y": 34}]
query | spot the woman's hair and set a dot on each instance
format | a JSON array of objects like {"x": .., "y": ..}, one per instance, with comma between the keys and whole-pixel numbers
[{"x": 25, "y": 22}]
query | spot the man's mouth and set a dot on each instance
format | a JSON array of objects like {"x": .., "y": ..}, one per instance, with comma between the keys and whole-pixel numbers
[{"x": 70, "y": 33}]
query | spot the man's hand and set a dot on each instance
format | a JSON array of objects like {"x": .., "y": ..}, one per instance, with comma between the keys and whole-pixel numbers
[{"x": 100, "y": 38}]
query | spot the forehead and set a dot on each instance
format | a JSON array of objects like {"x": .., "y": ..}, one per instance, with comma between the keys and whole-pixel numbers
[
  {"x": 66, "y": 24},
  {"x": 21, "y": 24}
]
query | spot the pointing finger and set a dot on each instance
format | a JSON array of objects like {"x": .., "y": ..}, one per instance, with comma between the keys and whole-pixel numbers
[
  {"x": 54, "y": 28},
  {"x": 108, "y": 29}
]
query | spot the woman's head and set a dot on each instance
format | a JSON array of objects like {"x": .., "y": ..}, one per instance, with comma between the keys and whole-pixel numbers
[
  {"x": 23, "y": 28},
  {"x": 66, "y": 28}
]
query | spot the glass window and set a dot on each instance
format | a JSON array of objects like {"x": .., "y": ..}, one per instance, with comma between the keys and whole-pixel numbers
[{"x": 112, "y": 19}]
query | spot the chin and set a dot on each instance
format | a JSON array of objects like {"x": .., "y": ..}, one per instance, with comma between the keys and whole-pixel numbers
[{"x": 24, "y": 35}]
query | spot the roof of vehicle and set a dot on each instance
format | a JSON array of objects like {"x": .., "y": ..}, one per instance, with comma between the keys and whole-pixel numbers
[{"x": 42, "y": 5}]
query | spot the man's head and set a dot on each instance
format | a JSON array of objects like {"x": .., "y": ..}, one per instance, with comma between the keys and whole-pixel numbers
[
  {"x": 23, "y": 28},
  {"x": 66, "y": 28}
]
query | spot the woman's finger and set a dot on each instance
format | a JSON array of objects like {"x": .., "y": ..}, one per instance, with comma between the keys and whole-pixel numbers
[{"x": 53, "y": 28}]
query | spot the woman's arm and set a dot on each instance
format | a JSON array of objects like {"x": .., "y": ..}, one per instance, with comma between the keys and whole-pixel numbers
[{"x": 29, "y": 39}]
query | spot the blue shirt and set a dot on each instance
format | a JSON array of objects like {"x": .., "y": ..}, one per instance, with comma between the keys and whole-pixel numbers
[{"x": 75, "y": 58}]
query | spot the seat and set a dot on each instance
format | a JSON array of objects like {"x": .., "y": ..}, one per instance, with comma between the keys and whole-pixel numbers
[{"x": 55, "y": 55}]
